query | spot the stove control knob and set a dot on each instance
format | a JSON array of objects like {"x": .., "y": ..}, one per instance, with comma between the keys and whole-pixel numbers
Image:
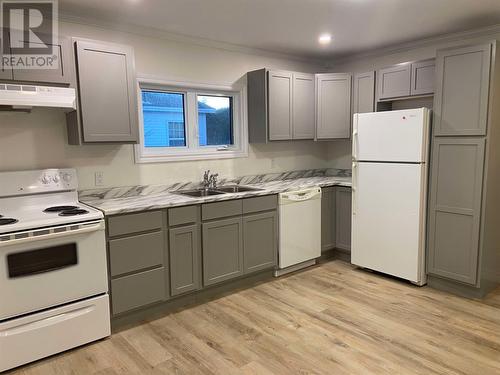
[
  {"x": 66, "y": 177},
  {"x": 56, "y": 178},
  {"x": 45, "y": 179}
]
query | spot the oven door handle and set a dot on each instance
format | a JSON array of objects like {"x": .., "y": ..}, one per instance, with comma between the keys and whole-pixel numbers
[{"x": 83, "y": 228}]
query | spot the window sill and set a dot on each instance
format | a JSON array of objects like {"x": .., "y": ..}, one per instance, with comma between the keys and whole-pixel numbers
[{"x": 233, "y": 154}]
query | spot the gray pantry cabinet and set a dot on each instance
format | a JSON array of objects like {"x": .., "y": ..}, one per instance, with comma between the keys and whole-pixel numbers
[
  {"x": 406, "y": 79},
  {"x": 333, "y": 105},
  {"x": 158, "y": 255},
  {"x": 280, "y": 105},
  {"x": 107, "y": 107},
  {"x": 363, "y": 92},
  {"x": 464, "y": 198},
  {"x": 463, "y": 82}
]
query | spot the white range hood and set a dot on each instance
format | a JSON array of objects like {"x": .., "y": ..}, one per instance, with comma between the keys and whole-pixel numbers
[{"x": 28, "y": 96}]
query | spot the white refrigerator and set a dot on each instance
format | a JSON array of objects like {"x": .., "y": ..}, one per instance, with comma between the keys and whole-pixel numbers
[{"x": 389, "y": 194}]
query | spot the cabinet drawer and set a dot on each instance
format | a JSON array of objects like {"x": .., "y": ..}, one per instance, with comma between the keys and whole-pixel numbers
[
  {"x": 134, "y": 223},
  {"x": 183, "y": 215},
  {"x": 221, "y": 209},
  {"x": 266, "y": 203},
  {"x": 137, "y": 290},
  {"x": 135, "y": 253}
]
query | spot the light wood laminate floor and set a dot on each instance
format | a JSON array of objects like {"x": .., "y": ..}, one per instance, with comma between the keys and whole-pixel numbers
[{"x": 330, "y": 319}]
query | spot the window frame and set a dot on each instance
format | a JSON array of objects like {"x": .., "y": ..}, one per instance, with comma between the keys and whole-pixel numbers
[{"x": 192, "y": 150}]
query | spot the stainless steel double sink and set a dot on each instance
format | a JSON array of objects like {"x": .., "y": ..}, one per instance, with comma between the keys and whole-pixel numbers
[{"x": 217, "y": 191}]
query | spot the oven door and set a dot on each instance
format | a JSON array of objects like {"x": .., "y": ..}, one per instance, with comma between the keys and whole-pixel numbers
[{"x": 49, "y": 267}]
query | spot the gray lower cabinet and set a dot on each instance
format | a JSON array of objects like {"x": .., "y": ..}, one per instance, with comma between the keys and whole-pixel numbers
[
  {"x": 328, "y": 218},
  {"x": 333, "y": 105},
  {"x": 137, "y": 290},
  {"x": 222, "y": 250},
  {"x": 107, "y": 93},
  {"x": 455, "y": 208},
  {"x": 185, "y": 262},
  {"x": 343, "y": 217},
  {"x": 363, "y": 93},
  {"x": 462, "y": 89},
  {"x": 260, "y": 241}
]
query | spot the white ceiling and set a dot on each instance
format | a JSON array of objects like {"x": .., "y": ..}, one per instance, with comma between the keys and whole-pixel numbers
[{"x": 293, "y": 26}]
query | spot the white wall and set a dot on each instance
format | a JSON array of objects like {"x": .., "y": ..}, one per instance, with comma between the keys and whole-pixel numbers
[
  {"x": 38, "y": 140},
  {"x": 339, "y": 152}
]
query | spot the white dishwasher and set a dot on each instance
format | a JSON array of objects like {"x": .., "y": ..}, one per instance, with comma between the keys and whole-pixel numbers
[{"x": 299, "y": 229}]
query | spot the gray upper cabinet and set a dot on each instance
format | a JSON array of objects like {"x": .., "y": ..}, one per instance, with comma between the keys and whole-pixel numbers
[
  {"x": 455, "y": 207},
  {"x": 107, "y": 88},
  {"x": 64, "y": 74},
  {"x": 185, "y": 262},
  {"x": 222, "y": 250},
  {"x": 328, "y": 213},
  {"x": 260, "y": 241},
  {"x": 343, "y": 215},
  {"x": 333, "y": 105},
  {"x": 394, "y": 81},
  {"x": 280, "y": 105},
  {"x": 5, "y": 72},
  {"x": 303, "y": 123},
  {"x": 461, "y": 99},
  {"x": 363, "y": 93},
  {"x": 423, "y": 77}
]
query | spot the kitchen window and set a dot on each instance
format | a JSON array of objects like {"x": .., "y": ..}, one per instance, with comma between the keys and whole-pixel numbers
[{"x": 190, "y": 122}]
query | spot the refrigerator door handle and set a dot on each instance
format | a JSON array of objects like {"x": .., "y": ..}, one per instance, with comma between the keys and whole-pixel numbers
[{"x": 354, "y": 186}]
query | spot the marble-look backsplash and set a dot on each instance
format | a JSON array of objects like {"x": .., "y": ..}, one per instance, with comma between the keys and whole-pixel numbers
[{"x": 140, "y": 190}]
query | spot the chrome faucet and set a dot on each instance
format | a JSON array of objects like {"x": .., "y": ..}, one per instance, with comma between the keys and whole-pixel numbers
[
  {"x": 209, "y": 180},
  {"x": 212, "y": 181}
]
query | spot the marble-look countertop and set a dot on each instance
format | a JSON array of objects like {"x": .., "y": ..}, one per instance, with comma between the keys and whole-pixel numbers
[{"x": 127, "y": 204}]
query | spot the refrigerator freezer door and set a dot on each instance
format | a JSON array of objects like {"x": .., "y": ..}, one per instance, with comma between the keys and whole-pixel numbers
[
  {"x": 393, "y": 136},
  {"x": 388, "y": 222}
]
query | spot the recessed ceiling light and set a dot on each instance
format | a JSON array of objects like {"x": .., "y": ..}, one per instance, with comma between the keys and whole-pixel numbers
[{"x": 325, "y": 39}]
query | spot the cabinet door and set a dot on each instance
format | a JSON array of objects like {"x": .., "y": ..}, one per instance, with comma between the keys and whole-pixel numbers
[
  {"x": 106, "y": 81},
  {"x": 222, "y": 250},
  {"x": 5, "y": 72},
  {"x": 343, "y": 218},
  {"x": 280, "y": 105},
  {"x": 394, "y": 81},
  {"x": 333, "y": 100},
  {"x": 64, "y": 72},
  {"x": 364, "y": 93},
  {"x": 260, "y": 241},
  {"x": 462, "y": 85},
  {"x": 455, "y": 206},
  {"x": 184, "y": 248},
  {"x": 328, "y": 213},
  {"x": 423, "y": 74},
  {"x": 303, "y": 106}
]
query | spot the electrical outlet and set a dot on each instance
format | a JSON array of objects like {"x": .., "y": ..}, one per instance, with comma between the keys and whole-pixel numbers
[{"x": 99, "y": 179}]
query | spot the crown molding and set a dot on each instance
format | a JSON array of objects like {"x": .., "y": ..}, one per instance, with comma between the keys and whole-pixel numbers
[
  {"x": 182, "y": 38},
  {"x": 420, "y": 43}
]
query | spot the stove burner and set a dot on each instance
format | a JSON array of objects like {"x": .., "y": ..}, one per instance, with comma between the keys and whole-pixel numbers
[
  {"x": 73, "y": 212},
  {"x": 60, "y": 208},
  {"x": 7, "y": 221}
]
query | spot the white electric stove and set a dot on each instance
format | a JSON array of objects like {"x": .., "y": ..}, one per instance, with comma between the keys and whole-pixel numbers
[{"x": 53, "y": 272}]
